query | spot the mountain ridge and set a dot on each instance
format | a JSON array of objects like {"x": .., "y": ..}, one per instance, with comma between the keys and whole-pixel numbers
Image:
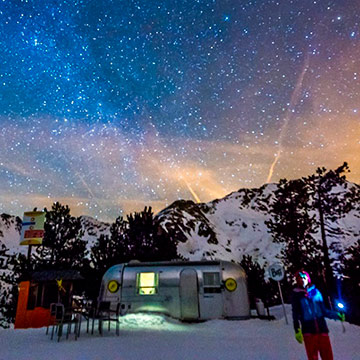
[{"x": 225, "y": 228}]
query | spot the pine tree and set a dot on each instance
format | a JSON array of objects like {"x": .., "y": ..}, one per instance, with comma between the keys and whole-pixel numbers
[
  {"x": 351, "y": 282},
  {"x": 147, "y": 240},
  {"x": 4, "y": 321},
  {"x": 3, "y": 256},
  {"x": 258, "y": 288},
  {"x": 332, "y": 203},
  {"x": 63, "y": 247},
  {"x": 293, "y": 225},
  {"x": 110, "y": 250},
  {"x": 352, "y": 265},
  {"x": 13, "y": 268}
]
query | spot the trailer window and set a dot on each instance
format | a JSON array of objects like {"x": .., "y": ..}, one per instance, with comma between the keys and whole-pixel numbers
[
  {"x": 211, "y": 282},
  {"x": 147, "y": 283}
]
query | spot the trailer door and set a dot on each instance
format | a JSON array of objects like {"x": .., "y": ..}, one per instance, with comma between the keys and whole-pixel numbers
[
  {"x": 211, "y": 301},
  {"x": 189, "y": 298}
]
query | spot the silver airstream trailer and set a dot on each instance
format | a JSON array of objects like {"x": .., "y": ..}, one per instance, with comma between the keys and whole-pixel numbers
[{"x": 189, "y": 291}]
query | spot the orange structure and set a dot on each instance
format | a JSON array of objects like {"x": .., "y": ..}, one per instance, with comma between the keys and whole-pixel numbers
[
  {"x": 36, "y": 295},
  {"x": 25, "y": 318}
]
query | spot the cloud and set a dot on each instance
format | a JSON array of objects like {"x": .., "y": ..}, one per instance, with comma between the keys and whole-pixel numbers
[{"x": 102, "y": 171}]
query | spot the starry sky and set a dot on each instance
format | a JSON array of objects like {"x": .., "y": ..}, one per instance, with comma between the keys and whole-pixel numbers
[{"x": 109, "y": 106}]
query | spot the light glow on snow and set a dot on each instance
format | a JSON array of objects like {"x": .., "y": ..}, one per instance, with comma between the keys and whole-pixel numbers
[{"x": 154, "y": 337}]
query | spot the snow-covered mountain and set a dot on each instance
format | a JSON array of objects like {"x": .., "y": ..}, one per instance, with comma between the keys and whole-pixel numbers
[
  {"x": 233, "y": 226},
  {"x": 225, "y": 228},
  {"x": 93, "y": 228}
]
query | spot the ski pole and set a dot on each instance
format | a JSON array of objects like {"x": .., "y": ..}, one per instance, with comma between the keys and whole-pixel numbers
[
  {"x": 341, "y": 307},
  {"x": 343, "y": 326}
]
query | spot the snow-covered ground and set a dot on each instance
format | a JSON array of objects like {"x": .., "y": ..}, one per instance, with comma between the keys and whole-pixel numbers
[{"x": 154, "y": 337}]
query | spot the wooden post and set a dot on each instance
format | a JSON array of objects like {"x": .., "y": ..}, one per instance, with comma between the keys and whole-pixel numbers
[{"x": 29, "y": 256}]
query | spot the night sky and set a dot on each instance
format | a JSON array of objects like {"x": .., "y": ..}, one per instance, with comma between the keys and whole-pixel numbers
[{"x": 108, "y": 106}]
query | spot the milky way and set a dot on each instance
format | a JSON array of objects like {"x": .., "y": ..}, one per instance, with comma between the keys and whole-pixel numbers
[{"x": 108, "y": 106}]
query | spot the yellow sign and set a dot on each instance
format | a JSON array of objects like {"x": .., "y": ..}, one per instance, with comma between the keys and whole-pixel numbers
[
  {"x": 113, "y": 286},
  {"x": 60, "y": 286},
  {"x": 32, "y": 231},
  {"x": 230, "y": 284}
]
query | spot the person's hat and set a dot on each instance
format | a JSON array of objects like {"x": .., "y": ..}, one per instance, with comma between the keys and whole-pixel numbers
[{"x": 302, "y": 274}]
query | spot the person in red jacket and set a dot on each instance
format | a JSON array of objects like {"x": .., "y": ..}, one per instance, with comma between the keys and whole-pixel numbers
[{"x": 309, "y": 314}]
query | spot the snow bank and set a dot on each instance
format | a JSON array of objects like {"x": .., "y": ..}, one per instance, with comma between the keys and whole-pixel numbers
[{"x": 145, "y": 336}]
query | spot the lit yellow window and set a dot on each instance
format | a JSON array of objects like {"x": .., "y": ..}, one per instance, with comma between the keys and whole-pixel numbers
[{"x": 147, "y": 283}]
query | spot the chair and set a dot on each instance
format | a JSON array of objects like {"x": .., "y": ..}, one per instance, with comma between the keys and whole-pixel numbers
[
  {"x": 57, "y": 312},
  {"x": 75, "y": 313},
  {"x": 61, "y": 317},
  {"x": 73, "y": 317},
  {"x": 105, "y": 312},
  {"x": 52, "y": 316},
  {"x": 89, "y": 313},
  {"x": 93, "y": 311}
]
